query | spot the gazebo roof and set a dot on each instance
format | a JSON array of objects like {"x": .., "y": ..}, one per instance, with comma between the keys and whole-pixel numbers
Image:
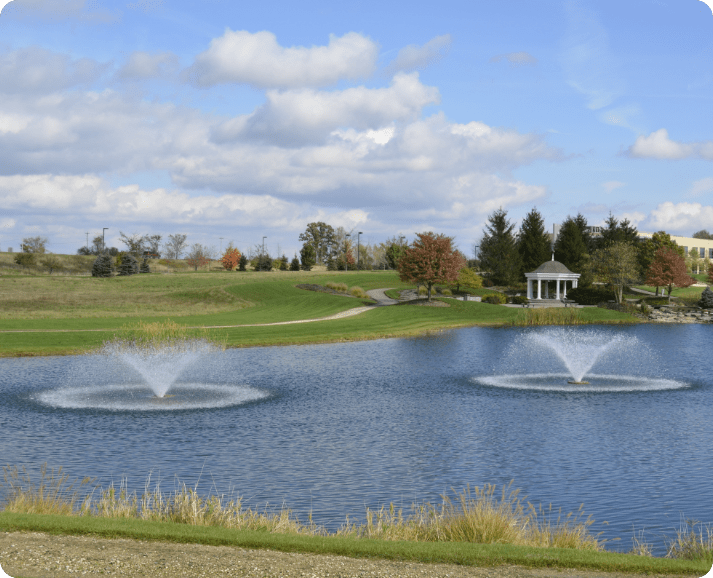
[{"x": 553, "y": 267}]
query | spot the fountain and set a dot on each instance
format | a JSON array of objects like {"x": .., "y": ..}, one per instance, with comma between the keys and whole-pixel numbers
[
  {"x": 578, "y": 351},
  {"x": 159, "y": 354}
]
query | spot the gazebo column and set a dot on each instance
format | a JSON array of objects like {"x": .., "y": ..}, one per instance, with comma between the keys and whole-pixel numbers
[
  {"x": 529, "y": 288},
  {"x": 557, "y": 290},
  {"x": 564, "y": 295},
  {"x": 539, "y": 288},
  {"x": 547, "y": 288}
]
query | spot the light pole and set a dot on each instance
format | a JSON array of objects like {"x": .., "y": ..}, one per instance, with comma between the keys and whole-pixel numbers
[
  {"x": 87, "y": 239},
  {"x": 346, "y": 252},
  {"x": 359, "y": 234},
  {"x": 221, "y": 244},
  {"x": 103, "y": 243},
  {"x": 263, "y": 253}
]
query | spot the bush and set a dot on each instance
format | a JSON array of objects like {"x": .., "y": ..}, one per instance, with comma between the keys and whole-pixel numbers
[
  {"x": 341, "y": 287},
  {"x": 144, "y": 268},
  {"x": 495, "y": 299},
  {"x": 52, "y": 263},
  {"x": 706, "y": 301},
  {"x": 102, "y": 266},
  {"x": 446, "y": 292},
  {"x": 654, "y": 301},
  {"x": 25, "y": 259},
  {"x": 519, "y": 300},
  {"x": 422, "y": 291},
  {"x": 358, "y": 292},
  {"x": 128, "y": 265},
  {"x": 590, "y": 295}
]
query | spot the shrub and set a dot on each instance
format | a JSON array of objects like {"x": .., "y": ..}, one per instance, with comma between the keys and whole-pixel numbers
[
  {"x": 52, "y": 263},
  {"x": 655, "y": 301},
  {"x": 144, "y": 268},
  {"x": 706, "y": 301},
  {"x": 495, "y": 299},
  {"x": 102, "y": 266},
  {"x": 341, "y": 287},
  {"x": 25, "y": 259},
  {"x": 590, "y": 295},
  {"x": 128, "y": 265},
  {"x": 519, "y": 300},
  {"x": 422, "y": 291},
  {"x": 446, "y": 292},
  {"x": 358, "y": 292}
]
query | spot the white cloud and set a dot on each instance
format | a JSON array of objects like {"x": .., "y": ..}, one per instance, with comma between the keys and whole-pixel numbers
[
  {"x": 34, "y": 70},
  {"x": 83, "y": 10},
  {"x": 658, "y": 146},
  {"x": 680, "y": 218},
  {"x": 609, "y": 186},
  {"x": 258, "y": 60},
  {"x": 701, "y": 187},
  {"x": 299, "y": 116},
  {"x": 415, "y": 57},
  {"x": 516, "y": 58},
  {"x": 142, "y": 65}
]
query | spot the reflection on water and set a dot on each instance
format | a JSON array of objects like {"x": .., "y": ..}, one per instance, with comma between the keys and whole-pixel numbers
[{"x": 334, "y": 428}]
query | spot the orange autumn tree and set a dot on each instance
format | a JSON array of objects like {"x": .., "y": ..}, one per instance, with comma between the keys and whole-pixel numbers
[
  {"x": 231, "y": 258},
  {"x": 668, "y": 269},
  {"x": 429, "y": 260}
]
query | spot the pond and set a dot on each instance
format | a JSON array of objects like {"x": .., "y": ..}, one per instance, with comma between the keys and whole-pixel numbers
[{"x": 335, "y": 428}]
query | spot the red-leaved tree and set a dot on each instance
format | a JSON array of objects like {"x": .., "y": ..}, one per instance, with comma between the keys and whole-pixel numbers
[
  {"x": 430, "y": 260},
  {"x": 231, "y": 258},
  {"x": 668, "y": 269}
]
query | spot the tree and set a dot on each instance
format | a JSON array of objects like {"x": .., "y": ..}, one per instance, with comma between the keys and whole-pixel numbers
[
  {"x": 430, "y": 260},
  {"x": 144, "y": 267},
  {"x": 52, "y": 263},
  {"x": 198, "y": 256},
  {"x": 284, "y": 264},
  {"x": 706, "y": 301},
  {"x": 469, "y": 279},
  {"x": 175, "y": 245},
  {"x": 322, "y": 238},
  {"x": 34, "y": 244},
  {"x": 617, "y": 232},
  {"x": 533, "y": 243},
  {"x": 135, "y": 243},
  {"x": 394, "y": 249},
  {"x": 649, "y": 247},
  {"x": 308, "y": 257},
  {"x": 231, "y": 258},
  {"x": 264, "y": 263},
  {"x": 571, "y": 250},
  {"x": 694, "y": 260},
  {"x": 128, "y": 265},
  {"x": 498, "y": 250},
  {"x": 243, "y": 263},
  {"x": 702, "y": 234},
  {"x": 103, "y": 266},
  {"x": 581, "y": 222},
  {"x": 668, "y": 269},
  {"x": 25, "y": 260},
  {"x": 616, "y": 265},
  {"x": 295, "y": 264},
  {"x": 152, "y": 244}
]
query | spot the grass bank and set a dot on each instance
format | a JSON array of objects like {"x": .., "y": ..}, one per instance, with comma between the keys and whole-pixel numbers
[{"x": 481, "y": 528}]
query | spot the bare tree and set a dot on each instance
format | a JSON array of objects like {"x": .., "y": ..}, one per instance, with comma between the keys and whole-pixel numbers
[
  {"x": 198, "y": 256},
  {"x": 152, "y": 243},
  {"x": 135, "y": 243},
  {"x": 175, "y": 245}
]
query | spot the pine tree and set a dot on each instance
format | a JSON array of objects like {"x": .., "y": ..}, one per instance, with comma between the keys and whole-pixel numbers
[
  {"x": 128, "y": 265},
  {"x": 295, "y": 264},
  {"x": 243, "y": 263},
  {"x": 706, "y": 299},
  {"x": 533, "y": 243},
  {"x": 102, "y": 266},
  {"x": 571, "y": 250},
  {"x": 145, "y": 266},
  {"x": 308, "y": 256},
  {"x": 498, "y": 250}
]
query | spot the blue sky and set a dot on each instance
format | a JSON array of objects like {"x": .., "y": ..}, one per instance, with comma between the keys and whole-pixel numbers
[{"x": 242, "y": 120}]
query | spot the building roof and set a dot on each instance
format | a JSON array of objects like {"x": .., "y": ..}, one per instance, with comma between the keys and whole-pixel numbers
[{"x": 553, "y": 267}]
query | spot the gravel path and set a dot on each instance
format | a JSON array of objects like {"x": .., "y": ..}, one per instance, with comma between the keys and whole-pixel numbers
[{"x": 36, "y": 555}]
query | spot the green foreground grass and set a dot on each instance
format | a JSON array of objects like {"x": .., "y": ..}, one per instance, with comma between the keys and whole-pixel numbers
[
  {"x": 428, "y": 552},
  {"x": 60, "y": 315}
]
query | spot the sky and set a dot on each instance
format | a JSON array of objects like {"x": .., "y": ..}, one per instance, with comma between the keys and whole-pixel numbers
[{"x": 234, "y": 121}]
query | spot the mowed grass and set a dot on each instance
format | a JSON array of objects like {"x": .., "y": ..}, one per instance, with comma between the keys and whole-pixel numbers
[{"x": 53, "y": 315}]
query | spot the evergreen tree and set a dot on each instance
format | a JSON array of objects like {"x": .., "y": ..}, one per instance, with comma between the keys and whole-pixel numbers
[
  {"x": 295, "y": 264},
  {"x": 581, "y": 222},
  {"x": 243, "y": 263},
  {"x": 571, "y": 250},
  {"x": 617, "y": 232},
  {"x": 128, "y": 265},
  {"x": 145, "y": 266},
  {"x": 706, "y": 301},
  {"x": 498, "y": 250},
  {"x": 533, "y": 243},
  {"x": 308, "y": 256},
  {"x": 284, "y": 264},
  {"x": 102, "y": 266}
]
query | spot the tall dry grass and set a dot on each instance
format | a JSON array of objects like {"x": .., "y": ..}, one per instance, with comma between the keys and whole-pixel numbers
[
  {"x": 693, "y": 541},
  {"x": 160, "y": 334},
  {"x": 549, "y": 316}
]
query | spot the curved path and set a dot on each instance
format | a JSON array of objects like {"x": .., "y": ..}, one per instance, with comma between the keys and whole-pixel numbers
[{"x": 378, "y": 295}]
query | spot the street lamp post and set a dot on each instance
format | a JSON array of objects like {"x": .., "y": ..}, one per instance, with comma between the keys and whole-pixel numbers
[
  {"x": 359, "y": 234},
  {"x": 263, "y": 253},
  {"x": 346, "y": 253},
  {"x": 221, "y": 244},
  {"x": 103, "y": 243}
]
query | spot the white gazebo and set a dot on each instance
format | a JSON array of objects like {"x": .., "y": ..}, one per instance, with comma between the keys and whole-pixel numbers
[{"x": 551, "y": 271}]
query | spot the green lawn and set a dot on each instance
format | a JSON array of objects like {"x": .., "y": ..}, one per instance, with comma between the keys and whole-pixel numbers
[{"x": 94, "y": 309}]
